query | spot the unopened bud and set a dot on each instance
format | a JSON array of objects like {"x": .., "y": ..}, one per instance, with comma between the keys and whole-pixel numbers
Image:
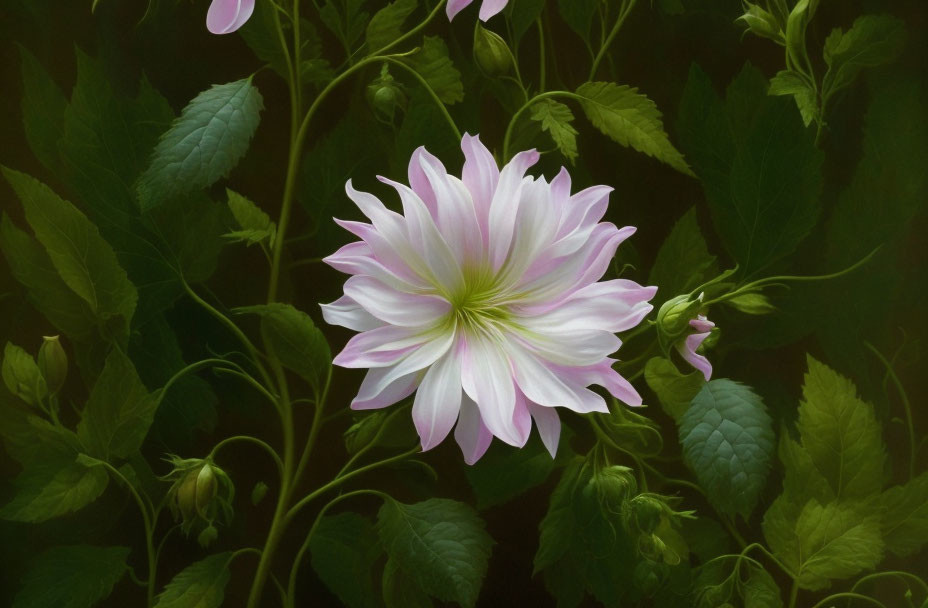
[
  {"x": 207, "y": 536},
  {"x": 762, "y": 23},
  {"x": 491, "y": 52},
  {"x": 258, "y": 492},
  {"x": 752, "y": 304},
  {"x": 206, "y": 488},
  {"x": 674, "y": 316},
  {"x": 386, "y": 95},
  {"x": 53, "y": 363},
  {"x": 186, "y": 496}
]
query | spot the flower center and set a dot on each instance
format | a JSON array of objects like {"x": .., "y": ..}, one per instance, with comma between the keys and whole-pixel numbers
[{"x": 478, "y": 304}]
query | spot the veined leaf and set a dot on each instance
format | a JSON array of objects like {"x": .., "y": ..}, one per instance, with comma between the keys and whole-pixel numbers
[
  {"x": 345, "y": 19},
  {"x": 905, "y": 516},
  {"x": 683, "y": 261},
  {"x": 555, "y": 118},
  {"x": 631, "y": 119},
  {"x": 199, "y": 585},
  {"x": 21, "y": 375},
  {"x": 204, "y": 144},
  {"x": 29, "y": 439},
  {"x": 523, "y": 14},
  {"x": 400, "y": 589},
  {"x": 728, "y": 441},
  {"x": 256, "y": 226},
  {"x": 441, "y": 544},
  {"x": 787, "y": 82},
  {"x": 53, "y": 488},
  {"x": 43, "y": 105},
  {"x": 72, "y": 577},
  {"x": 387, "y": 24},
  {"x": 434, "y": 65},
  {"x": 674, "y": 390},
  {"x": 873, "y": 40},
  {"x": 344, "y": 548}
]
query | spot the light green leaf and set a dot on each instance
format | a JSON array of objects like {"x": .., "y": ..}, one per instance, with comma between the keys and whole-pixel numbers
[
  {"x": 434, "y": 65},
  {"x": 787, "y": 82},
  {"x": 801, "y": 480},
  {"x": 85, "y": 262},
  {"x": 344, "y": 548},
  {"x": 400, "y": 589},
  {"x": 256, "y": 226},
  {"x": 728, "y": 441},
  {"x": 683, "y": 262},
  {"x": 579, "y": 15},
  {"x": 199, "y": 585},
  {"x": 43, "y": 105},
  {"x": 76, "y": 576},
  {"x": 760, "y": 590},
  {"x": 119, "y": 411},
  {"x": 52, "y": 488},
  {"x": 440, "y": 543},
  {"x": 21, "y": 375},
  {"x": 674, "y": 390},
  {"x": 555, "y": 118},
  {"x": 873, "y": 40},
  {"x": 631, "y": 119},
  {"x": 387, "y": 24},
  {"x": 905, "y": 516},
  {"x": 204, "y": 144},
  {"x": 296, "y": 341},
  {"x": 841, "y": 434},
  {"x": 752, "y": 304},
  {"x": 505, "y": 472}
]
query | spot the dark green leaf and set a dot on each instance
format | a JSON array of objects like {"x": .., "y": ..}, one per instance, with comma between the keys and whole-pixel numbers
[
  {"x": 683, "y": 262},
  {"x": 873, "y": 40},
  {"x": 43, "y": 105},
  {"x": 787, "y": 82},
  {"x": 344, "y": 548},
  {"x": 439, "y": 543},
  {"x": 760, "y": 590},
  {"x": 204, "y": 144},
  {"x": 52, "y": 488},
  {"x": 674, "y": 389},
  {"x": 199, "y": 585},
  {"x": 345, "y": 19},
  {"x": 905, "y": 517},
  {"x": 260, "y": 34},
  {"x": 72, "y": 577},
  {"x": 119, "y": 411},
  {"x": 728, "y": 441},
  {"x": 29, "y": 439},
  {"x": 579, "y": 15},
  {"x": 555, "y": 118},
  {"x": 400, "y": 589},
  {"x": 387, "y": 24},
  {"x": 390, "y": 430},
  {"x": 434, "y": 65},
  {"x": 522, "y": 14},
  {"x": 21, "y": 375},
  {"x": 631, "y": 119}
]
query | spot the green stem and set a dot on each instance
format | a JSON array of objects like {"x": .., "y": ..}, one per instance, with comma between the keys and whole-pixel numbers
[
  {"x": 431, "y": 92},
  {"x": 254, "y": 383},
  {"x": 397, "y": 411},
  {"x": 847, "y": 594},
  {"x": 625, "y": 10},
  {"x": 318, "y": 410},
  {"x": 893, "y": 573},
  {"x": 412, "y": 32},
  {"x": 249, "y": 439},
  {"x": 793, "y": 594},
  {"x": 905, "y": 404}
]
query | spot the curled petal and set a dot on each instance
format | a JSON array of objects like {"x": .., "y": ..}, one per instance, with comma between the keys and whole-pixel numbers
[
  {"x": 490, "y": 8},
  {"x": 455, "y": 6},
  {"x": 687, "y": 350},
  {"x": 226, "y": 16},
  {"x": 348, "y": 313}
]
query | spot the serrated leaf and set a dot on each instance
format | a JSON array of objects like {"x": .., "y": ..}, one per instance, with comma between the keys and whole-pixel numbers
[
  {"x": 208, "y": 139},
  {"x": 400, "y": 589},
  {"x": 683, "y": 262},
  {"x": 873, "y": 40},
  {"x": 296, "y": 341},
  {"x": 555, "y": 118},
  {"x": 840, "y": 433},
  {"x": 53, "y": 488},
  {"x": 199, "y": 585},
  {"x": 728, "y": 441},
  {"x": 85, "y": 262},
  {"x": 43, "y": 106},
  {"x": 119, "y": 411},
  {"x": 76, "y": 576},
  {"x": 345, "y": 19},
  {"x": 674, "y": 389},
  {"x": 387, "y": 24},
  {"x": 788, "y": 82},
  {"x": 631, "y": 119},
  {"x": 435, "y": 66},
  {"x": 905, "y": 516},
  {"x": 760, "y": 169},
  {"x": 256, "y": 226},
  {"x": 760, "y": 590},
  {"x": 578, "y": 14},
  {"x": 21, "y": 375},
  {"x": 344, "y": 548},
  {"x": 440, "y": 543}
]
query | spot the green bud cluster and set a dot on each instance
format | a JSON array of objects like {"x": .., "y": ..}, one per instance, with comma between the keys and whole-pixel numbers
[
  {"x": 673, "y": 319},
  {"x": 201, "y": 495},
  {"x": 385, "y": 95},
  {"x": 764, "y": 23}
]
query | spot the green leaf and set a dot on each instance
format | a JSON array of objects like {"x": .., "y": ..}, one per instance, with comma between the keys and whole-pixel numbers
[
  {"x": 21, "y": 375},
  {"x": 260, "y": 33},
  {"x": 674, "y": 390},
  {"x": 387, "y": 24},
  {"x": 400, "y": 589},
  {"x": 905, "y": 516},
  {"x": 683, "y": 262},
  {"x": 76, "y": 576},
  {"x": 752, "y": 304},
  {"x": 760, "y": 590},
  {"x": 796, "y": 24},
  {"x": 256, "y": 226},
  {"x": 760, "y": 169},
  {"x": 873, "y": 40},
  {"x": 578, "y": 14},
  {"x": 29, "y": 439},
  {"x": 825, "y": 542},
  {"x": 728, "y": 441},
  {"x": 204, "y": 144},
  {"x": 85, "y": 262},
  {"x": 841, "y": 434},
  {"x": 788, "y": 82},
  {"x": 43, "y": 106},
  {"x": 434, "y": 65},
  {"x": 344, "y": 548},
  {"x": 199, "y": 585},
  {"x": 296, "y": 341},
  {"x": 345, "y": 19},
  {"x": 440, "y": 543},
  {"x": 522, "y": 15},
  {"x": 505, "y": 472},
  {"x": 631, "y": 119},
  {"x": 391, "y": 430},
  {"x": 555, "y": 118},
  {"x": 119, "y": 411},
  {"x": 52, "y": 488}
]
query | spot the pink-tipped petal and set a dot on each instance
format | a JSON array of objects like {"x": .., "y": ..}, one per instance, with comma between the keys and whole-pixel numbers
[
  {"x": 418, "y": 181},
  {"x": 348, "y": 313},
  {"x": 701, "y": 324},
  {"x": 438, "y": 401},
  {"x": 375, "y": 393},
  {"x": 487, "y": 379},
  {"x": 396, "y": 307},
  {"x": 490, "y": 8},
  {"x": 505, "y": 205},
  {"x": 549, "y": 426},
  {"x": 226, "y": 16},
  {"x": 471, "y": 434},
  {"x": 380, "y": 347},
  {"x": 455, "y": 6},
  {"x": 687, "y": 350},
  {"x": 481, "y": 177},
  {"x": 456, "y": 217}
]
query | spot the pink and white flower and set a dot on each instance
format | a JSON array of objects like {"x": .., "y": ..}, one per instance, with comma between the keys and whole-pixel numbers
[
  {"x": 688, "y": 346},
  {"x": 488, "y": 8},
  {"x": 484, "y": 296},
  {"x": 226, "y": 16}
]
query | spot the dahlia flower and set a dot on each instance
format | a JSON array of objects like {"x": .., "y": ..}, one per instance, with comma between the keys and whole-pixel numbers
[
  {"x": 226, "y": 16},
  {"x": 483, "y": 295},
  {"x": 488, "y": 9},
  {"x": 687, "y": 347}
]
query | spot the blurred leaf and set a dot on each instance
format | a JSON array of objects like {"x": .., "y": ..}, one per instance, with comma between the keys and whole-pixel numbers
[
  {"x": 52, "y": 488},
  {"x": 43, "y": 106},
  {"x": 21, "y": 375},
  {"x": 683, "y": 262},
  {"x": 873, "y": 40},
  {"x": 905, "y": 517},
  {"x": 204, "y": 144},
  {"x": 631, "y": 119},
  {"x": 400, "y": 589},
  {"x": 760, "y": 590},
  {"x": 674, "y": 390},
  {"x": 555, "y": 118},
  {"x": 260, "y": 33},
  {"x": 392, "y": 430},
  {"x": 256, "y": 226},
  {"x": 387, "y": 24},
  {"x": 32, "y": 440},
  {"x": 522, "y": 14},
  {"x": 788, "y": 82},
  {"x": 199, "y": 585},
  {"x": 441, "y": 544},
  {"x": 345, "y": 19},
  {"x": 759, "y": 166},
  {"x": 72, "y": 577},
  {"x": 435, "y": 66},
  {"x": 728, "y": 441},
  {"x": 578, "y": 14},
  {"x": 344, "y": 548}
]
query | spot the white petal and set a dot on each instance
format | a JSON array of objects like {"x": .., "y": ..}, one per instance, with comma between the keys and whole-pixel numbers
[
  {"x": 396, "y": 307},
  {"x": 505, "y": 205},
  {"x": 375, "y": 393},
  {"x": 470, "y": 433},
  {"x": 438, "y": 400},
  {"x": 487, "y": 379},
  {"x": 348, "y": 313},
  {"x": 549, "y": 426}
]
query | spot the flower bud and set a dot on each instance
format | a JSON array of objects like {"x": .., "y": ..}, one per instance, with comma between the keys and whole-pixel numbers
[
  {"x": 762, "y": 23},
  {"x": 491, "y": 52},
  {"x": 752, "y": 304},
  {"x": 386, "y": 95},
  {"x": 673, "y": 318},
  {"x": 258, "y": 492},
  {"x": 615, "y": 484},
  {"x": 206, "y": 488},
  {"x": 53, "y": 363},
  {"x": 207, "y": 536},
  {"x": 202, "y": 492},
  {"x": 185, "y": 498}
]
